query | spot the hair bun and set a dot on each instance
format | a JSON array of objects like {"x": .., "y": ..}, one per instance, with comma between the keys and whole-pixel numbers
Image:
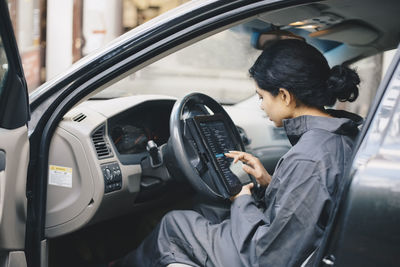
[{"x": 343, "y": 83}]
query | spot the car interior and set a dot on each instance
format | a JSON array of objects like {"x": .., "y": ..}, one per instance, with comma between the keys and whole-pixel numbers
[{"x": 109, "y": 178}]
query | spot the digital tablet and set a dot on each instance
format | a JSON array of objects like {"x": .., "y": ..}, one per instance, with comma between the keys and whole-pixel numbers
[{"x": 218, "y": 140}]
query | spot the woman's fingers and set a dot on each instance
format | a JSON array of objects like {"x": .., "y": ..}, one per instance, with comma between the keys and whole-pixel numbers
[
  {"x": 244, "y": 157},
  {"x": 246, "y": 190},
  {"x": 249, "y": 185},
  {"x": 255, "y": 172},
  {"x": 239, "y": 155},
  {"x": 236, "y": 156},
  {"x": 232, "y": 155},
  {"x": 258, "y": 172},
  {"x": 252, "y": 166},
  {"x": 249, "y": 170}
]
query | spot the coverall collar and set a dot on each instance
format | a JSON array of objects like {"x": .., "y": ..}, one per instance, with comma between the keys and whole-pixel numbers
[{"x": 344, "y": 123}]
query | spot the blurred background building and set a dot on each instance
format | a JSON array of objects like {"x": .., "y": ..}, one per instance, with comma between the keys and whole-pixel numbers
[{"x": 43, "y": 28}]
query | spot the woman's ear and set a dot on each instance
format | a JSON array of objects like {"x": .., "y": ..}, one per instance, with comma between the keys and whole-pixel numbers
[{"x": 286, "y": 96}]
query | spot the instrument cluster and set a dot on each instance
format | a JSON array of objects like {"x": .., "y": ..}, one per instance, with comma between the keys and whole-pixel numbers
[{"x": 131, "y": 130}]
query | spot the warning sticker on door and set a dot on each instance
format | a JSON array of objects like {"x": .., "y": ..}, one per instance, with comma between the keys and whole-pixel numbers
[{"x": 60, "y": 176}]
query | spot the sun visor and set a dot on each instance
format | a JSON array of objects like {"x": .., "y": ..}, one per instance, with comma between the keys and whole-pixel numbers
[
  {"x": 349, "y": 32},
  {"x": 289, "y": 15}
]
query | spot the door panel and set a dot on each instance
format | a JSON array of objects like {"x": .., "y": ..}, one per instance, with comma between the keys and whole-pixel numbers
[
  {"x": 15, "y": 146},
  {"x": 14, "y": 151}
]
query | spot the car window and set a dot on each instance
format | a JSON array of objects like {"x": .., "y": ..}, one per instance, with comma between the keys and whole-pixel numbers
[
  {"x": 3, "y": 66},
  {"x": 385, "y": 124},
  {"x": 217, "y": 66},
  {"x": 370, "y": 70}
]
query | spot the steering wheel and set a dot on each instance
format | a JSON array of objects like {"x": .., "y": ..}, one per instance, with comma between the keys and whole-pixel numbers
[{"x": 183, "y": 158}]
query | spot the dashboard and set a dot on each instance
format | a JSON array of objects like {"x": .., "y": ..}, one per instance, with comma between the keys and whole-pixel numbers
[{"x": 95, "y": 157}]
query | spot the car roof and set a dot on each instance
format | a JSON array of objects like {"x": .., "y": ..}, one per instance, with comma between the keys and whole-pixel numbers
[{"x": 359, "y": 28}]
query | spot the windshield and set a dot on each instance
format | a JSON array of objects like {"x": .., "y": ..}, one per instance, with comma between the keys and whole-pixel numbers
[{"x": 217, "y": 66}]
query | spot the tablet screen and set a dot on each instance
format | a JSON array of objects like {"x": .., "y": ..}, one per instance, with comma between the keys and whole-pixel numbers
[{"x": 220, "y": 141}]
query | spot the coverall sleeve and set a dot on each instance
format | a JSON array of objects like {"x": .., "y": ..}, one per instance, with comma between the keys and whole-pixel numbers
[{"x": 287, "y": 237}]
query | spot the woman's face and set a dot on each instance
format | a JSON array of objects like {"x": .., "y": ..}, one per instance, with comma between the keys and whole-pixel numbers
[{"x": 275, "y": 107}]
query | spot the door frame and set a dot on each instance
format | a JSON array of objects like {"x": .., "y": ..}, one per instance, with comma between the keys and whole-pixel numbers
[{"x": 14, "y": 149}]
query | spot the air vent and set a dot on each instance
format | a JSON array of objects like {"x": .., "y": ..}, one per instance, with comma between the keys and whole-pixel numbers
[
  {"x": 100, "y": 144},
  {"x": 80, "y": 117}
]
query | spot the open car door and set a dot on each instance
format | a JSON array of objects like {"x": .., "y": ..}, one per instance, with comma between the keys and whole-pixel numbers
[{"x": 14, "y": 147}]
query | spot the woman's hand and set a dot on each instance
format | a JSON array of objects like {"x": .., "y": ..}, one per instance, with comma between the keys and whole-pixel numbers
[
  {"x": 252, "y": 166},
  {"x": 246, "y": 190}
]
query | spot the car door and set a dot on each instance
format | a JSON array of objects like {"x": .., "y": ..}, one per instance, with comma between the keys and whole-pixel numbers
[{"x": 14, "y": 147}]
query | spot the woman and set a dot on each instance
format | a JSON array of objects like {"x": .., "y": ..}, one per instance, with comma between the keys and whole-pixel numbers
[{"x": 294, "y": 83}]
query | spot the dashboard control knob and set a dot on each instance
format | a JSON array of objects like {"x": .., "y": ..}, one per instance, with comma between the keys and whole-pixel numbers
[
  {"x": 109, "y": 174},
  {"x": 112, "y": 177}
]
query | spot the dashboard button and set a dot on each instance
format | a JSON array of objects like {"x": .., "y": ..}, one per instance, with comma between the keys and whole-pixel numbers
[
  {"x": 112, "y": 177},
  {"x": 109, "y": 174}
]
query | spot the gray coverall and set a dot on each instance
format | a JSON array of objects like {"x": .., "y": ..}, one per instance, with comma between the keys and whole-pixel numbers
[{"x": 298, "y": 202}]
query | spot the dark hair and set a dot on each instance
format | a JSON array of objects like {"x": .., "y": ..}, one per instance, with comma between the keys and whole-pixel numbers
[{"x": 303, "y": 70}]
